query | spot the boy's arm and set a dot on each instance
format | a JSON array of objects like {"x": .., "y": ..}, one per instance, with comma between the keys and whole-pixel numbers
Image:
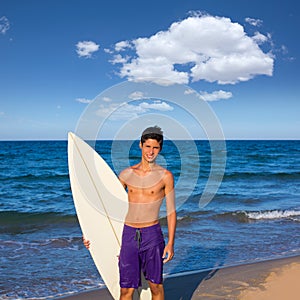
[
  {"x": 171, "y": 216},
  {"x": 122, "y": 179}
]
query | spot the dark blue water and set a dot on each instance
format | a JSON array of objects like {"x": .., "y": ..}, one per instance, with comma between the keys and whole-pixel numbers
[{"x": 255, "y": 214}]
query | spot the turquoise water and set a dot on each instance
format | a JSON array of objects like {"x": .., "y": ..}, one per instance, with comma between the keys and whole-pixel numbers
[{"x": 254, "y": 216}]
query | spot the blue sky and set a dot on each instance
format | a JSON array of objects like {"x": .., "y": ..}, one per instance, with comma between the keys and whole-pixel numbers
[{"x": 241, "y": 57}]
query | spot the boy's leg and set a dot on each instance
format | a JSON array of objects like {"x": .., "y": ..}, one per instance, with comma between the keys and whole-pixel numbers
[
  {"x": 126, "y": 293},
  {"x": 157, "y": 291},
  {"x": 129, "y": 265},
  {"x": 152, "y": 260}
]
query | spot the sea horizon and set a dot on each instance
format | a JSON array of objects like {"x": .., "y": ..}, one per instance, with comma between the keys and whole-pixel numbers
[{"x": 225, "y": 139}]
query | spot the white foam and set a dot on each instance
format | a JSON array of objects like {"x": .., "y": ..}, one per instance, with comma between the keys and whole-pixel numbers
[{"x": 273, "y": 214}]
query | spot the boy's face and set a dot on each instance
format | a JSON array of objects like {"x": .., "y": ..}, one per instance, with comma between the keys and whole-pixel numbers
[{"x": 150, "y": 150}]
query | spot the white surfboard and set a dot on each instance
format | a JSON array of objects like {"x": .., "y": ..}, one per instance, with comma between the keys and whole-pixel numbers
[{"x": 101, "y": 206}]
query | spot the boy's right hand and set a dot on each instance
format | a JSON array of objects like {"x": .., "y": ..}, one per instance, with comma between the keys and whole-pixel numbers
[{"x": 86, "y": 243}]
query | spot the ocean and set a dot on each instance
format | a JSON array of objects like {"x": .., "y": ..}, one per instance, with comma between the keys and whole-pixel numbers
[{"x": 254, "y": 216}]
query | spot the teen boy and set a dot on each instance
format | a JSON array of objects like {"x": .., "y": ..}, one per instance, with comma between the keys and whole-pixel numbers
[{"x": 143, "y": 247}]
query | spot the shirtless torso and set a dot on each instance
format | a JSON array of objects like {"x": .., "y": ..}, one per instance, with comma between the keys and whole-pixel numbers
[{"x": 146, "y": 191}]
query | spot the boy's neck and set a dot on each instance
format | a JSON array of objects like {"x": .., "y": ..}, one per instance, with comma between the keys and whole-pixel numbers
[{"x": 147, "y": 166}]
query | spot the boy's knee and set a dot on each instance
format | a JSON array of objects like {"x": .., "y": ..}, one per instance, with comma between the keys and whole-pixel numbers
[
  {"x": 156, "y": 289},
  {"x": 126, "y": 293}
]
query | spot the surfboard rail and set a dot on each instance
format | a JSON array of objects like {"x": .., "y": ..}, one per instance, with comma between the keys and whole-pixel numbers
[{"x": 101, "y": 205}]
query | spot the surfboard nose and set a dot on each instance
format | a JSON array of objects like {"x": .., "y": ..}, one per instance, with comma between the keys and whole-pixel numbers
[{"x": 71, "y": 135}]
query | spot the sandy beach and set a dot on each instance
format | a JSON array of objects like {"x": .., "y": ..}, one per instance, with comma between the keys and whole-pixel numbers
[{"x": 269, "y": 280}]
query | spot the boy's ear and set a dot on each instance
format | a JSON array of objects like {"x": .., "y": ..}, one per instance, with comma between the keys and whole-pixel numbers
[{"x": 141, "y": 145}]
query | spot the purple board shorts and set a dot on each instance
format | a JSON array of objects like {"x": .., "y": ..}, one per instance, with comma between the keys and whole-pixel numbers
[{"x": 141, "y": 251}]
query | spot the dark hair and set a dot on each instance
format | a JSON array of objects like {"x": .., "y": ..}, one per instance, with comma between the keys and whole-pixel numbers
[{"x": 154, "y": 133}]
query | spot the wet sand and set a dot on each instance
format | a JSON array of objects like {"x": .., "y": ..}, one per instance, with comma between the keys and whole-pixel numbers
[{"x": 273, "y": 279}]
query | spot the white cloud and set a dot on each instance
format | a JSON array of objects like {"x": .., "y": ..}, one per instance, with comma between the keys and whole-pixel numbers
[
  {"x": 254, "y": 22},
  {"x": 4, "y": 25},
  {"x": 156, "y": 105},
  {"x": 83, "y": 100},
  {"x": 106, "y": 99},
  {"x": 284, "y": 49},
  {"x": 125, "y": 111},
  {"x": 106, "y": 110},
  {"x": 117, "y": 112},
  {"x": 214, "y": 96},
  {"x": 86, "y": 48},
  {"x": 121, "y": 46},
  {"x": 260, "y": 38},
  {"x": 119, "y": 59},
  {"x": 109, "y": 51},
  {"x": 136, "y": 95},
  {"x": 189, "y": 92},
  {"x": 213, "y": 49}
]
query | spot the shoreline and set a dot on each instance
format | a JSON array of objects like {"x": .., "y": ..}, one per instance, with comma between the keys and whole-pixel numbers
[{"x": 239, "y": 282}]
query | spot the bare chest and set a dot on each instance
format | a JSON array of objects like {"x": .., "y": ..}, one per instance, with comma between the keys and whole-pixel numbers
[{"x": 145, "y": 193}]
